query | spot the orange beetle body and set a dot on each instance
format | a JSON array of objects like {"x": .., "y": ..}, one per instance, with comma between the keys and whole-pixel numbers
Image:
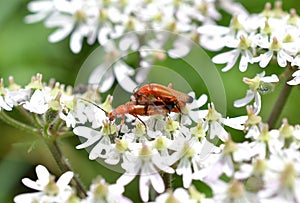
[
  {"x": 138, "y": 110},
  {"x": 160, "y": 95}
]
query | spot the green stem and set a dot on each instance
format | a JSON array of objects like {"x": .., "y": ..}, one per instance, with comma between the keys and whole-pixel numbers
[
  {"x": 65, "y": 134},
  {"x": 27, "y": 115},
  {"x": 64, "y": 166},
  {"x": 282, "y": 98},
  {"x": 37, "y": 120},
  {"x": 168, "y": 180},
  {"x": 17, "y": 124}
]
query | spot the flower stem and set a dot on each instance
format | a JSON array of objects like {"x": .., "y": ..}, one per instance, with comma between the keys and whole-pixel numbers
[
  {"x": 282, "y": 98},
  {"x": 168, "y": 180},
  {"x": 64, "y": 166},
  {"x": 17, "y": 124}
]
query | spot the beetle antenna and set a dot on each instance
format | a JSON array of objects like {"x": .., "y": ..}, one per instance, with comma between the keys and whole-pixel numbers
[
  {"x": 94, "y": 105},
  {"x": 107, "y": 114}
]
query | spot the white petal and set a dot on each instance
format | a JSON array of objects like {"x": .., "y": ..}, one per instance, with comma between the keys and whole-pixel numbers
[
  {"x": 265, "y": 59},
  {"x": 36, "y": 6},
  {"x": 228, "y": 166},
  {"x": 180, "y": 49},
  {"x": 232, "y": 62},
  {"x": 99, "y": 151},
  {"x": 296, "y": 73},
  {"x": 35, "y": 17},
  {"x": 257, "y": 103},
  {"x": 114, "y": 14},
  {"x": 90, "y": 134},
  {"x": 76, "y": 42},
  {"x": 102, "y": 77},
  {"x": 28, "y": 197},
  {"x": 162, "y": 165},
  {"x": 201, "y": 100},
  {"x": 283, "y": 57},
  {"x": 217, "y": 130},
  {"x": 103, "y": 35},
  {"x": 269, "y": 79},
  {"x": 113, "y": 158},
  {"x": 157, "y": 183},
  {"x": 229, "y": 57},
  {"x": 215, "y": 29},
  {"x": 235, "y": 123},
  {"x": 125, "y": 179},
  {"x": 212, "y": 43},
  {"x": 129, "y": 41},
  {"x": 224, "y": 57},
  {"x": 244, "y": 101},
  {"x": 42, "y": 174},
  {"x": 122, "y": 73},
  {"x": 142, "y": 74},
  {"x": 4, "y": 105},
  {"x": 65, "y": 179},
  {"x": 88, "y": 142},
  {"x": 245, "y": 59},
  {"x": 187, "y": 177},
  {"x": 144, "y": 187},
  {"x": 294, "y": 81},
  {"x": 86, "y": 132},
  {"x": 31, "y": 184}
]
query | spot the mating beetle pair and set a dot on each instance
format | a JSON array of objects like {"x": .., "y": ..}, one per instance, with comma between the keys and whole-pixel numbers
[{"x": 151, "y": 99}]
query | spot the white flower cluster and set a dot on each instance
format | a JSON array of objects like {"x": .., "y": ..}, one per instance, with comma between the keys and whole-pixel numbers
[
  {"x": 257, "y": 38},
  {"x": 44, "y": 103},
  {"x": 104, "y": 20},
  {"x": 145, "y": 150},
  {"x": 60, "y": 191},
  {"x": 193, "y": 144},
  {"x": 173, "y": 144},
  {"x": 147, "y": 28}
]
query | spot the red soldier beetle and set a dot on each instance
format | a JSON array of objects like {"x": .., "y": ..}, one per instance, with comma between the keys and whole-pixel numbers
[
  {"x": 161, "y": 95},
  {"x": 135, "y": 110}
]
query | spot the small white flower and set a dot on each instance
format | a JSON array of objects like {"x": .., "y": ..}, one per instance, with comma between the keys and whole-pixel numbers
[
  {"x": 38, "y": 102},
  {"x": 117, "y": 152},
  {"x": 113, "y": 69},
  {"x": 70, "y": 18},
  {"x": 223, "y": 163},
  {"x": 19, "y": 96},
  {"x": 213, "y": 123},
  {"x": 231, "y": 192},
  {"x": 93, "y": 136},
  {"x": 145, "y": 162},
  {"x": 275, "y": 48},
  {"x": 243, "y": 47},
  {"x": 100, "y": 191},
  {"x": 282, "y": 179},
  {"x": 192, "y": 112},
  {"x": 49, "y": 190},
  {"x": 191, "y": 154},
  {"x": 259, "y": 84}
]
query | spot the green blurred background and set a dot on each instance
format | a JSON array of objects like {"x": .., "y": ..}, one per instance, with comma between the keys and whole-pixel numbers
[{"x": 25, "y": 51}]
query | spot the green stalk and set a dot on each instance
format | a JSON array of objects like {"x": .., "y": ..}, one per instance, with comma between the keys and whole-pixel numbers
[
  {"x": 282, "y": 98},
  {"x": 168, "y": 178},
  {"x": 17, "y": 124},
  {"x": 64, "y": 165}
]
